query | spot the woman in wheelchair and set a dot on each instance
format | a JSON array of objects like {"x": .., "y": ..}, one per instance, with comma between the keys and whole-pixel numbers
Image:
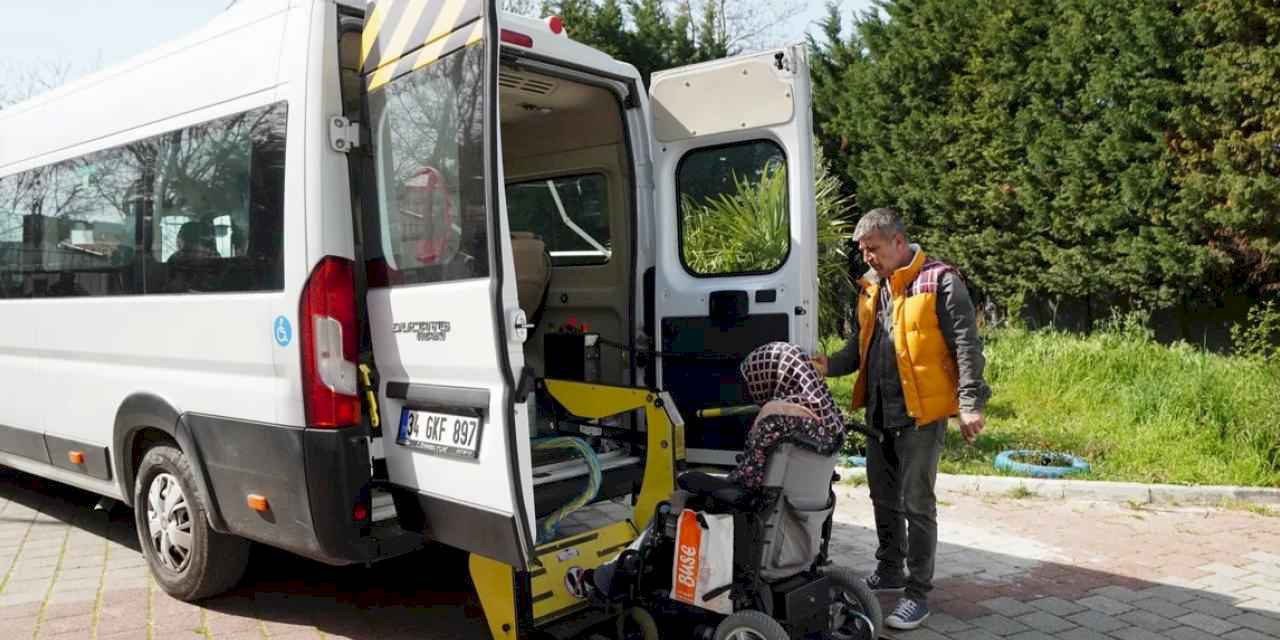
[{"x": 780, "y": 501}]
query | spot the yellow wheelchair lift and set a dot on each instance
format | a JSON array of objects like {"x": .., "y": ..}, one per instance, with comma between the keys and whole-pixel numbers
[{"x": 515, "y": 602}]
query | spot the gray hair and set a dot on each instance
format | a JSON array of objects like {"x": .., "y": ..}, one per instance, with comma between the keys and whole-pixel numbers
[{"x": 883, "y": 220}]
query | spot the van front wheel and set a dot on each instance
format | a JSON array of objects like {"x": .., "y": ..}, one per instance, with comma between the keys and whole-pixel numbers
[{"x": 189, "y": 560}]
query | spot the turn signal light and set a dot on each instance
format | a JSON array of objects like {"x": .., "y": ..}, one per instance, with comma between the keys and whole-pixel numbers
[
  {"x": 258, "y": 503},
  {"x": 76, "y": 457}
]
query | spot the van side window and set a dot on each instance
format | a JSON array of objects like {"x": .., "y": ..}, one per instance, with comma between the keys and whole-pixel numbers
[
  {"x": 569, "y": 214},
  {"x": 214, "y": 194},
  {"x": 218, "y": 202},
  {"x": 733, "y": 209},
  {"x": 429, "y": 139}
]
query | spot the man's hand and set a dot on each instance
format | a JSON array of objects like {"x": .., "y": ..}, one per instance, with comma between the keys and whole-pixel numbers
[
  {"x": 971, "y": 425},
  {"x": 820, "y": 363}
]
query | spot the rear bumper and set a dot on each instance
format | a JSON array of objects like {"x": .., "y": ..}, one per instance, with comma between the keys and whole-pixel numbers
[{"x": 313, "y": 480}]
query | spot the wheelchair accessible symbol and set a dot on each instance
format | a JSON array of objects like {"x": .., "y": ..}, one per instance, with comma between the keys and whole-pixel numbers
[{"x": 284, "y": 332}]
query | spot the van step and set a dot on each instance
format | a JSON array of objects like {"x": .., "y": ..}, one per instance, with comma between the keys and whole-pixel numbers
[
  {"x": 384, "y": 507},
  {"x": 555, "y": 472},
  {"x": 390, "y": 540}
]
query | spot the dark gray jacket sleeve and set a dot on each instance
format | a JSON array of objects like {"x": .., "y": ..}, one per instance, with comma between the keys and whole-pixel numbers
[
  {"x": 959, "y": 325},
  {"x": 845, "y": 361}
]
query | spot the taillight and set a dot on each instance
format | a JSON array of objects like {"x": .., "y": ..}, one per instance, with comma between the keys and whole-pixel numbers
[
  {"x": 514, "y": 37},
  {"x": 327, "y": 332}
]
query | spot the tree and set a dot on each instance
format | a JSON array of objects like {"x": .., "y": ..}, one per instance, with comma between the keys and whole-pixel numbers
[
  {"x": 1226, "y": 140},
  {"x": 1088, "y": 150},
  {"x": 660, "y": 34},
  {"x": 27, "y": 81}
]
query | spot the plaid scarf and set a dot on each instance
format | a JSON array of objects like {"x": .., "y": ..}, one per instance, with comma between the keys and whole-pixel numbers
[{"x": 781, "y": 371}]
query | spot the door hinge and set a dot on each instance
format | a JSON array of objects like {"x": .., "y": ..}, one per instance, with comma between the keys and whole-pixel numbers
[{"x": 344, "y": 135}]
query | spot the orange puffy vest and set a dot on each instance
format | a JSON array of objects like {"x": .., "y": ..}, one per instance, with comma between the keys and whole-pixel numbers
[{"x": 930, "y": 379}]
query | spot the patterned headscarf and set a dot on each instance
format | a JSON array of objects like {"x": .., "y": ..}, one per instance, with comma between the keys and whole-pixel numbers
[{"x": 781, "y": 371}]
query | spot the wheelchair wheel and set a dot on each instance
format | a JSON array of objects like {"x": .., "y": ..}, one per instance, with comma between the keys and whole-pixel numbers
[
  {"x": 855, "y": 610},
  {"x": 750, "y": 625},
  {"x": 637, "y": 623}
]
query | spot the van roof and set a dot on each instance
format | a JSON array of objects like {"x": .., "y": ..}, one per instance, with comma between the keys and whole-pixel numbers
[{"x": 563, "y": 46}]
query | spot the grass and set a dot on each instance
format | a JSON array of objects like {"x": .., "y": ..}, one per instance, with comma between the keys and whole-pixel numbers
[
  {"x": 1136, "y": 410},
  {"x": 1254, "y": 508},
  {"x": 1019, "y": 492}
]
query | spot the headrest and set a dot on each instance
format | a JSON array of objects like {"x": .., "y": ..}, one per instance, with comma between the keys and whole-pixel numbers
[{"x": 533, "y": 270}]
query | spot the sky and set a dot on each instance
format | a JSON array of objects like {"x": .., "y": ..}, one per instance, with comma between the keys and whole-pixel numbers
[{"x": 90, "y": 34}]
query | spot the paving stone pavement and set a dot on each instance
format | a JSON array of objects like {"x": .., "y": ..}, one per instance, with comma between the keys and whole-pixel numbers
[
  {"x": 1021, "y": 569},
  {"x": 1032, "y": 567}
]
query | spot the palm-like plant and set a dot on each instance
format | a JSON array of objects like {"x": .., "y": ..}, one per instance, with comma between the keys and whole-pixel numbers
[
  {"x": 748, "y": 231},
  {"x": 744, "y": 231}
]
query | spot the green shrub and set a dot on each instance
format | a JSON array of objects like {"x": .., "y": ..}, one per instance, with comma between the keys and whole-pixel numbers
[{"x": 1135, "y": 409}]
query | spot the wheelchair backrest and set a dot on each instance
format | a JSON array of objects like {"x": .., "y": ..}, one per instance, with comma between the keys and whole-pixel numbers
[
  {"x": 803, "y": 475},
  {"x": 793, "y": 532}
]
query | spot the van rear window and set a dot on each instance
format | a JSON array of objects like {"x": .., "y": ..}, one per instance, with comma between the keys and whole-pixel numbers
[
  {"x": 429, "y": 133},
  {"x": 733, "y": 209}
]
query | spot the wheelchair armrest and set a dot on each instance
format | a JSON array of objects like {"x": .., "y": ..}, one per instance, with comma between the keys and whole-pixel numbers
[
  {"x": 703, "y": 484},
  {"x": 717, "y": 488}
]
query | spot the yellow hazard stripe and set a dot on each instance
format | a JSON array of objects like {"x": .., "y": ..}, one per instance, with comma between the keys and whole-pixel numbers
[
  {"x": 404, "y": 27},
  {"x": 372, "y": 26},
  {"x": 435, "y": 50}
]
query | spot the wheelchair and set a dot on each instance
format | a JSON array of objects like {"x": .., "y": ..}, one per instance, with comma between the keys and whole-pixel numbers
[{"x": 784, "y": 586}]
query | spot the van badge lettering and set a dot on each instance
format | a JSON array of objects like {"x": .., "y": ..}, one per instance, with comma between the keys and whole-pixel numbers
[{"x": 426, "y": 331}]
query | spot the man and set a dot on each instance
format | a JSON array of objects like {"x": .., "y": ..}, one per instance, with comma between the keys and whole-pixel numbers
[{"x": 919, "y": 361}]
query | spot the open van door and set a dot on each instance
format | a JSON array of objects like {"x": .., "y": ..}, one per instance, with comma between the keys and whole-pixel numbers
[
  {"x": 736, "y": 229},
  {"x": 445, "y": 325}
]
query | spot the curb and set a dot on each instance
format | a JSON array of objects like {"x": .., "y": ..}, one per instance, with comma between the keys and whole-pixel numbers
[{"x": 1100, "y": 490}]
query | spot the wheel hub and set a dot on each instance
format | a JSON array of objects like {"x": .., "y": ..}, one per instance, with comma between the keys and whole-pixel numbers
[{"x": 169, "y": 522}]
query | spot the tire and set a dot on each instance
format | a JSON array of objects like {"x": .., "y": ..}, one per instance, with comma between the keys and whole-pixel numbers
[
  {"x": 1005, "y": 462},
  {"x": 749, "y": 624},
  {"x": 190, "y": 567},
  {"x": 643, "y": 622},
  {"x": 853, "y": 607}
]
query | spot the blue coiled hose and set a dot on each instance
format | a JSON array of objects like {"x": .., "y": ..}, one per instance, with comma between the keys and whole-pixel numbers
[{"x": 548, "y": 526}]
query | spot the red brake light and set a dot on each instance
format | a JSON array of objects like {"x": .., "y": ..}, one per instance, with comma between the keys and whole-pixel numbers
[
  {"x": 360, "y": 512},
  {"x": 327, "y": 338},
  {"x": 512, "y": 37},
  {"x": 556, "y": 23}
]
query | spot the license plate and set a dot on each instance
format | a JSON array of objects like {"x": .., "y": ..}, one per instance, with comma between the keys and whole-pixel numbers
[{"x": 443, "y": 433}]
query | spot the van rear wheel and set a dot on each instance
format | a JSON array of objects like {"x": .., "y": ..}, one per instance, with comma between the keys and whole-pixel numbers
[{"x": 189, "y": 560}]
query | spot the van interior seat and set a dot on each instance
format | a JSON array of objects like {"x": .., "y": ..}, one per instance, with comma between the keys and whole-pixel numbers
[{"x": 533, "y": 272}]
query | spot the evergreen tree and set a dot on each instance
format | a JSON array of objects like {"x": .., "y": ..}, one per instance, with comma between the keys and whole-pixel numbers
[
  {"x": 1119, "y": 153},
  {"x": 1226, "y": 140}
]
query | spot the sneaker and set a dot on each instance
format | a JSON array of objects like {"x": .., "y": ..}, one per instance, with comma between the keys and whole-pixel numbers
[
  {"x": 879, "y": 584},
  {"x": 908, "y": 614}
]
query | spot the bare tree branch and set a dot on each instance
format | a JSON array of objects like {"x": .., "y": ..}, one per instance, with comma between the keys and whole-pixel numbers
[{"x": 27, "y": 81}]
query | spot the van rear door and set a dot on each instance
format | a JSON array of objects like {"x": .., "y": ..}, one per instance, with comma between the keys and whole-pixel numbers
[
  {"x": 443, "y": 316},
  {"x": 736, "y": 229}
]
